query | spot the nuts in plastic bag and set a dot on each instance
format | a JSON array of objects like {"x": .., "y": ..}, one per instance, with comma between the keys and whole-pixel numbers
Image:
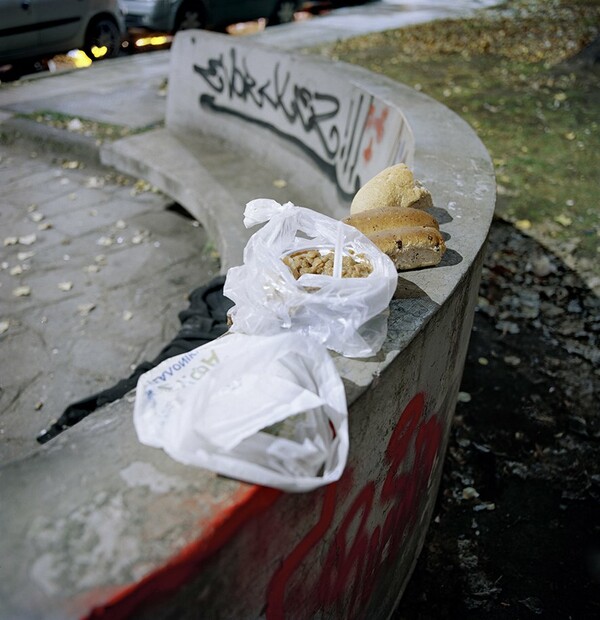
[{"x": 308, "y": 273}]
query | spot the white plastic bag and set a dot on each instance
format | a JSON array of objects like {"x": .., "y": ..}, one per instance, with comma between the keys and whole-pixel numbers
[
  {"x": 266, "y": 410},
  {"x": 344, "y": 314}
]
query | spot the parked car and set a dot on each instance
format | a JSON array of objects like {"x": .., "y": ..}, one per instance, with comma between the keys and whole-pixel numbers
[
  {"x": 32, "y": 29},
  {"x": 173, "y": 15}
]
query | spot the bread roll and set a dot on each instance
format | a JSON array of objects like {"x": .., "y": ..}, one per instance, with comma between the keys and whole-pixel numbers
[
  {"x": 411, "y": 247},
  {"x": 395, "y": 186},
  {"x": 382, "y": 218}
]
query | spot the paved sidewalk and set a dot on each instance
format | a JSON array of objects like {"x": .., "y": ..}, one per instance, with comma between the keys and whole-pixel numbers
[{"x": 93, "y": 272}]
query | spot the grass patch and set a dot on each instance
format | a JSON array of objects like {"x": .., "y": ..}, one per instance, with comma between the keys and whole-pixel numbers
[
  {"x": 102, "y": 132},
  {"x": 506, "y": 72}
]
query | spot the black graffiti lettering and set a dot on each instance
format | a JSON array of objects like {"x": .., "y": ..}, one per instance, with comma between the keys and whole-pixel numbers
[
  {"x": 214, "y": 70},
  {"x": 310, "y": 112},
  {"x": 280, "y": 89},
  {"x": 352, "y": 134},
  {"x": 303, "y": 110},
  {"x": 360, "y": 127},
  {"x": 243, "y": 85}
]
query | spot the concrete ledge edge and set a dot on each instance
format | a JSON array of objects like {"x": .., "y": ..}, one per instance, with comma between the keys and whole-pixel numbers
[{"x": 52, "y": 139}]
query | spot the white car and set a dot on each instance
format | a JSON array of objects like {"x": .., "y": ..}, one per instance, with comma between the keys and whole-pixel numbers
[{"x": 33, "y": 29}]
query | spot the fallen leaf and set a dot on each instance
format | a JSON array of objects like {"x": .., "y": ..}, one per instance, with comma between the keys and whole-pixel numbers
[
  {"x": 11, "y": 241},
  {"x": 25, "y": 255},
  {"x": 27, "y": 239},
  {"x": 36, "y": 216},
  {"x": 71, "y": 164},
  {"x": 469, "y": 493},
  {"x": 508, "y": 327},
  {"x": 542, "y": 266},
  {"x": 522, "y": 224},
  {"x": 127, "y": 315},
  {"x": 94, "y": 183},
  {"x": 563, "y": 220},
  {"x": 104, "y": 241},
  {"x": 65, "y": 286},
  {"x": 74, "y": 125},
  {"x": 140, "y": 186},
  {"x": 280, "y": 183},
  {"x": 22, "y": 291},
  {"x": 85, "y": 309},
  {"x": 17, "y": 270},
  {"x": 4, "y": 326}
]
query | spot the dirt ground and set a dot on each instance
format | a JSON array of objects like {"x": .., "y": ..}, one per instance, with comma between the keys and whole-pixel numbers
[{"x": 516, "y": 532}]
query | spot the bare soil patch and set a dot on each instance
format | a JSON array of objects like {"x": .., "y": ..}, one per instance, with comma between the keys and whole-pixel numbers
[{"x": 516, "y": 533}]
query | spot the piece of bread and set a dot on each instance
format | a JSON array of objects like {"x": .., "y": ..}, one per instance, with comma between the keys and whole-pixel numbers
[
  {"x": 382, "y": 218},
  {"x": 411, "y": 247},
  {"x": 395, "y": 186}
]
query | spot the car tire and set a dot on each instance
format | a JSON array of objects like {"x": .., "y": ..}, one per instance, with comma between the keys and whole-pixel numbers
[
  {"x": 283, "y": 13},
  {"x": 189, "y": 17},
  {"x": 103, "y": 32}
]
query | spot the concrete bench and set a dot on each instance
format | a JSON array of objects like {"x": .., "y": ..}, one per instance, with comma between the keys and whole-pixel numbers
[{"x": 98, "y": 525}]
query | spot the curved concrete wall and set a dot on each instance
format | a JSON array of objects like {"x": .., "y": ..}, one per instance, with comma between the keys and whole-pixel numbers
[{"x": 98, "y": 525}]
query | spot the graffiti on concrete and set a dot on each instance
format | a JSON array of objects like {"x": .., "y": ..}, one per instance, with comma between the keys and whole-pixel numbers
[
  {"x": 370, "y": 527},
  {"x": 339, "y": 130}
]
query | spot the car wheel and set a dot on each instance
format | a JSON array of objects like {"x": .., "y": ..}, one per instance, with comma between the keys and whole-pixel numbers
[
  {"x": 283, "y": 13},
  {"x": 102, "y": 33},
  {"x": 189, "y": 17}
]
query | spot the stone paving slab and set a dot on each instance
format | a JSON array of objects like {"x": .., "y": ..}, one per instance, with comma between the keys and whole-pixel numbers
[
  {"x": 101, "y": 93},
  {"x": 124, "y": 252}
]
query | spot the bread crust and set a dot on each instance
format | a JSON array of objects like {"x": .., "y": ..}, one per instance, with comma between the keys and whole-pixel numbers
[
  {"x": 383, "y": 218},
  {"x": 411, "y": 247},
  {"x": 394, "y": 186}
]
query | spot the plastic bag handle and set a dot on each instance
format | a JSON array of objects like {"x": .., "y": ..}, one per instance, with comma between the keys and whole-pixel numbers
[{"x": 339, "y": 249}]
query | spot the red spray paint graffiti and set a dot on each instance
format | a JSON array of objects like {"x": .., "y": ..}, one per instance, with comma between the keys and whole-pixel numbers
[
  {"x": 371, "y": 531},
  {"x": 377, "y": 124}
]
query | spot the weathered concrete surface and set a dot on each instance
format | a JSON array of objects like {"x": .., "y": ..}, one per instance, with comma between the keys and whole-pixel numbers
[
  {"x": 107, "y": 510},
  {"x": 198, "y": 175},
  {"x": 180, "y": 538},
  {"x": 114, "y": 511},
  {"x": 108, "y": 268}
]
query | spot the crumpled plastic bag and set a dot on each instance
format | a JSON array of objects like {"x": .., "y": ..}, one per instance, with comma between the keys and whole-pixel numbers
[
  {"x": 266, "y": 410},
  {"x": 347, "y": 315}
]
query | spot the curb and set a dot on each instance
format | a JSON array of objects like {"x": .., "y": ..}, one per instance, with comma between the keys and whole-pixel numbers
[{"x": 51, "y": 139}]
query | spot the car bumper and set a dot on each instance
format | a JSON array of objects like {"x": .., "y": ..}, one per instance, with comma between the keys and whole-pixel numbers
[{"x": 153, "y": 16}]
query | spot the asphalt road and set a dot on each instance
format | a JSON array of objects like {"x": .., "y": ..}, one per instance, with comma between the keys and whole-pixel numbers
[{"x": 321, "y": 24}]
